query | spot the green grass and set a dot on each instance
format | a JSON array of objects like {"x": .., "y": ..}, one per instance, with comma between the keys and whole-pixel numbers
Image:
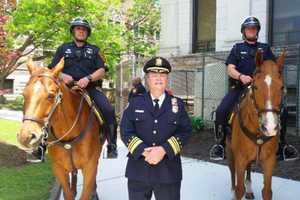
[
  {"x": 28, "y": 182},
  {"x": 9, "y": 130}
]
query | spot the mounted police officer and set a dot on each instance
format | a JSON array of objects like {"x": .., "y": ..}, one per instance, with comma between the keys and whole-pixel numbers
[
  {"x": 240, "y": 67},
  {"x": 154, "y": 127},
  {"x": 84, "y": 64}
]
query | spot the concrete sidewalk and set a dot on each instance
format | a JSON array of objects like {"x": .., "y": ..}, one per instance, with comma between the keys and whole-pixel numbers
[
  {"x": 11, "y": 115},
  {"x": 201, "y": 181}
]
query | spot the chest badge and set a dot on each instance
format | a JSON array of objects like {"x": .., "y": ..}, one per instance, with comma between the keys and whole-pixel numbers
[
  {"x": 68, "y": 51},
  {"x": 174, "y": 105},
  {"x": 89, "y": 51}
]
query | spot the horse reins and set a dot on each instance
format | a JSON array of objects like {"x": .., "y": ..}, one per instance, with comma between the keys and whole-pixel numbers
[
  {"x": 45, "y": 122},
  {"x": 256, "y": 137}
]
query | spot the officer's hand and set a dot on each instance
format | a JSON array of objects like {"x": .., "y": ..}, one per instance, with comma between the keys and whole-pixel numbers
[
  {"x": 245, "y": 79},
  {"x": 83, "y": 82},
  {"x": 156, "y": 154},
  {"x": 146, "y": 152},
  {"x": 67, "y": 79}
]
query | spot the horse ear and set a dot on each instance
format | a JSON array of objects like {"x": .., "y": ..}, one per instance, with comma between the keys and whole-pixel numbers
[
  {"x": 280, "y": 61},
  {"x": 30, "y": 65},
  {"x": 59, "y": 67},
  {"x": 259, "y": 58}
]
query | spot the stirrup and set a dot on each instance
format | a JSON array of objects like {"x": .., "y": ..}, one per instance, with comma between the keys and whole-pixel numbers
[
  {"x": 284, "y": 154},
  {"x": 211, "y": 152}
]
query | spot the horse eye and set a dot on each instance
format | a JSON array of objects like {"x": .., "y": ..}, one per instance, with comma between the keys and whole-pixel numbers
[
  {"x": 254, "y": 87},
  {"x": 51, "y": 96}
]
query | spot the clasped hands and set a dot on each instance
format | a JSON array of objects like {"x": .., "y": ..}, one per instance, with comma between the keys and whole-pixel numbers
[{"x": 153, "y": 155}]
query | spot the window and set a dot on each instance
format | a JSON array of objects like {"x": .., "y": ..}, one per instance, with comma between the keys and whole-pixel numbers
[
  {"x": 285, "y": 22},
  {"x": 204, "y": 25}
]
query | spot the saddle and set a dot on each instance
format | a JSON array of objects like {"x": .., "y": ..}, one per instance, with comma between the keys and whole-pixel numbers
[{"x": 90, "y": 102}]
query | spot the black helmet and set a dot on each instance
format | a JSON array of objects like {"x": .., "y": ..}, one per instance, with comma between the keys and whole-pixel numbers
[
  {"x": 250, "y": 22},
  {"x": 80, "y": 21}
]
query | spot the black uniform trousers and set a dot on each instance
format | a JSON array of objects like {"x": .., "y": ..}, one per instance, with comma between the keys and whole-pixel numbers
[{"x": 138, "y": 190}]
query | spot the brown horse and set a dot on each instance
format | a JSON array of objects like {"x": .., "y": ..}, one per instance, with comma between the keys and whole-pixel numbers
[
  {"x": 73, "y": 142},
  {"x": 255, "y": 128}
]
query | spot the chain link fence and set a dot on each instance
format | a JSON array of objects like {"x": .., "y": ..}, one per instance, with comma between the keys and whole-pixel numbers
[{"x": 201, "y": 80}]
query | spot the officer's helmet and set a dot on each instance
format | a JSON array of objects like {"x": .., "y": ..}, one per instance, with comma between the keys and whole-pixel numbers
[
  {"x": 250, "y": 22},
  {"x": 80, "y": 21}
]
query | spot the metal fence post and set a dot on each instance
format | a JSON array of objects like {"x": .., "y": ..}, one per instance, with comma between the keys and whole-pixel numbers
[
  {"x": 203, "y": 84},
  {"x": 297, "y": 92}
]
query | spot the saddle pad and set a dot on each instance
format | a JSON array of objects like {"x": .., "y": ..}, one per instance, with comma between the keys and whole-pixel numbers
[{"x": 90, "y": 102}]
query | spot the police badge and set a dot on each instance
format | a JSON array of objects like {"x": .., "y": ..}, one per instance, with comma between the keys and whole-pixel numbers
[
  {"x": 158, "y": 62},
  {"x": 174, "y": 105}
]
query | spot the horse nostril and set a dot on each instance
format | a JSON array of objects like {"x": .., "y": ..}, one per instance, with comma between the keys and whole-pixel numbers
[
  {"x": 33, "y": 136},
  {"x": 263, "y": 128}
]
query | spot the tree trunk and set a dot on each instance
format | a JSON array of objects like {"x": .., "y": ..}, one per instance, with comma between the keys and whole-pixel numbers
[{"x": 2, "y": 98}]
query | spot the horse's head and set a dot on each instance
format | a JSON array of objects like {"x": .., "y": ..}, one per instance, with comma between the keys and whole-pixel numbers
[
  {"x": 266, "y": 92},
  {"x": 41, "y": 95}
]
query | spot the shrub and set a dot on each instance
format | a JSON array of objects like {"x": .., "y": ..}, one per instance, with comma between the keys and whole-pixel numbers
[{"x": 197, "y": 123}]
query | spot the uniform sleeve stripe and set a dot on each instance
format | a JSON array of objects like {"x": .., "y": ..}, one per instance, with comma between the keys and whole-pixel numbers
[
  {"x": 135, "y": 142},
  {"x": 135, "y": 145},
  {"x": 132, "y": 142},
  {"x": 172, "y": 141},
  {"x": 176, "y": 144}
]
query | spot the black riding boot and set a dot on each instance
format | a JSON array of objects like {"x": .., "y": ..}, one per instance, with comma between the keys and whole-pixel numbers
[
  {"x": 112, "y": 141},
  {"x": 217, "y": 151},
  {"x": 286, "y": 152}
]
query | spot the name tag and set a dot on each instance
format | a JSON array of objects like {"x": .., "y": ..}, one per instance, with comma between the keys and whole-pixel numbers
[{"x": 139, "y": 111}]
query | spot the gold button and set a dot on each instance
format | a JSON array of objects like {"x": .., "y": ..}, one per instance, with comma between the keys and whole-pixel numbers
[
  {"x": 154, "y": 132},
  {"x": 155, "y": 121},
  {"x": 153, "y": 144}
]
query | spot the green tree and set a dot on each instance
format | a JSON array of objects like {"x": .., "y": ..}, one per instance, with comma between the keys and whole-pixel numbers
[
  {"x": 142, "y": 27},
  {"x": 44, "y": 24}
]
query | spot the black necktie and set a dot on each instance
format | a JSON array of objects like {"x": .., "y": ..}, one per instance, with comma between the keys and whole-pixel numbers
[{"x": 156, "y": 105}]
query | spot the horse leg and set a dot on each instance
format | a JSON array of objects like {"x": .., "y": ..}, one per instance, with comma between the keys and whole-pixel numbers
[
  {"x": 230, "y": 160},
  {"x": 268, "y": 166},
  {"x": 248, "y": 184},
  {"x": 89, "y": 173},
  {"x": 74, "y": 182},
  {"x": 95, "y": 195},
  {"x": 63, "y": 178},
  {"x": 240, "y": 167}
]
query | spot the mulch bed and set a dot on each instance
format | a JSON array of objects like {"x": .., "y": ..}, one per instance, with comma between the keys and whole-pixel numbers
[
  {"x": 11, "y": 156},
  {"x": 200, "y": 144}
]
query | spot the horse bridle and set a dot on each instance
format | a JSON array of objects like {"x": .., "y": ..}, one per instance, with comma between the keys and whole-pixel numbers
[
  {"x": 257, "y": 138},
  {"x": 45, "y": 121}
]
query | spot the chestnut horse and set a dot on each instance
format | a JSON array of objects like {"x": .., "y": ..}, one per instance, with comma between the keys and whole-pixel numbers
[
  {"x": 73, "y": 142},
  {"x": 255, "y": 128}
]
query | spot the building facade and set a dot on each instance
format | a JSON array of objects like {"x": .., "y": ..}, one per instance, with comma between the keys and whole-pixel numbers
[
  {"x": 191, "y": 26},
  {"x": 196, "y": 35}
]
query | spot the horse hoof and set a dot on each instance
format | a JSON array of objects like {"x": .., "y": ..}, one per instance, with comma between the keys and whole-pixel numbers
[
  {"x": 249, "y": 196},
  {"x": 95, "y": 197}
]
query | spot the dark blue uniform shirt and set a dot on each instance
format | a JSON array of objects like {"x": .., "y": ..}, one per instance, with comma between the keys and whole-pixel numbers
[
  {"x": 242, "y": 55},
  {"x": 141, "y": 127},
  {"x": 79, "y": 61}
]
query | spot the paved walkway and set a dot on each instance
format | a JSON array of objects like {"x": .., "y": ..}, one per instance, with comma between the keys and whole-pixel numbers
[
  {"x": 202, "y": 181},
  {"x": 11, "y": 114}
]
